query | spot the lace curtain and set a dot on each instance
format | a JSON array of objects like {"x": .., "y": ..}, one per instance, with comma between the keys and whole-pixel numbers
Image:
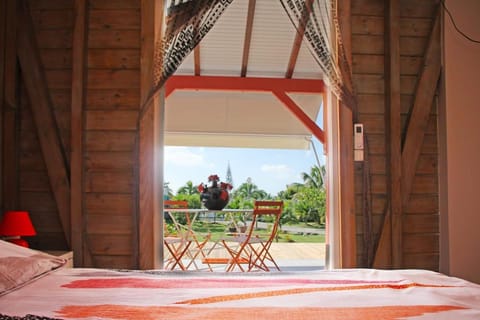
[
  {"x": 188, "y": 21},
  {"x": 318, "y": 19}
]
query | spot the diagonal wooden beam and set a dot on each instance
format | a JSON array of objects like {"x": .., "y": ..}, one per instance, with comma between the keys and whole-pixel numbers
[
  {"x": 420, "y": 113},
  {"x": 415, "y": 132},
  {"x": 297, "y": 43},
  {"x": 44, "y": 118},
  {"x": 298, "y": 112},
  {"x": 248, "y": 37}
]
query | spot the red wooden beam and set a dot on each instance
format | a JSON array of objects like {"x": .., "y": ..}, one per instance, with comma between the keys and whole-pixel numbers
[
  {"x": 243, "y": 84},
  {"x": 298, "y": 112},
  {"x": 277, "y": 86}
]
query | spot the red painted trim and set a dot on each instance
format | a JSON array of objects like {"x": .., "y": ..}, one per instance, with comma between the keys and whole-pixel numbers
[
  {"x": 298, "y": 112},
  {"x": 243, "y": 84},
  {"x": 277, "y": 86}
]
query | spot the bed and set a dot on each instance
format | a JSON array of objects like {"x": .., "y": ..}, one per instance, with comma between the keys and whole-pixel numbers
[{"x": 34, "y": 285}]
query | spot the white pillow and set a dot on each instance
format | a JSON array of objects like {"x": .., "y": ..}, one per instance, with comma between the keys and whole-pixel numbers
[{"x": 20, "y": 265}]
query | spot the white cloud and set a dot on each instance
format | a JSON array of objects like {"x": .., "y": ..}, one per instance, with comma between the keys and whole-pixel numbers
[
  {"x": 279, "y": 171},
  {"x": 183, "y": 157}
]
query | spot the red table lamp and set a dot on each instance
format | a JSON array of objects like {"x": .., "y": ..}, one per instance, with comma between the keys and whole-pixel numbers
[{"x": 16, "y": 224}]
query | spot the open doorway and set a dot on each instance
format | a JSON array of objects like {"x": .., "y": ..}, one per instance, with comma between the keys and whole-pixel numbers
[
  {"x": 252, "y": 141},
  {"x": 233, "y": 48}
]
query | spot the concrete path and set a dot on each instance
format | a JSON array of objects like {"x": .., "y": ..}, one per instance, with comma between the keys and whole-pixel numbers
[{"x": 298, "y": 251}]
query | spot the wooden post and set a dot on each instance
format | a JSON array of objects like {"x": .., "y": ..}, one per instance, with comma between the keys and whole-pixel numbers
[
  {"x": 79, "y": 62},
  {"x": 346, "y": 118},
  {"x": 150, "y": 248},
  {"x": 393, "y": 128},
  {"x": 3, "y": 16},
  {"x": 10, "y": 120}
]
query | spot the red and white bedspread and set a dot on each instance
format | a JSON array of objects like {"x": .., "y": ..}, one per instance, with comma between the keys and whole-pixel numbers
[{"x": 339, "y": 294}]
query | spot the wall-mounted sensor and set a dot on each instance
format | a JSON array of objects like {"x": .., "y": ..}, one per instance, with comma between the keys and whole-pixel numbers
[{"x": 358, "y": 136}]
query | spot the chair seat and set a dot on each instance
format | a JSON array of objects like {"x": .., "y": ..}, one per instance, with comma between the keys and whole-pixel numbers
[{"x": 223, "y": 260}]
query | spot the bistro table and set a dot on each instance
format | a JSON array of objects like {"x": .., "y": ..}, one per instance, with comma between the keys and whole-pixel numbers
[{"x": 196, "y": 244}]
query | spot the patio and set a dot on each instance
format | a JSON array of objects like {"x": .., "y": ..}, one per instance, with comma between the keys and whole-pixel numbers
[{"x": 291, "y": 257}]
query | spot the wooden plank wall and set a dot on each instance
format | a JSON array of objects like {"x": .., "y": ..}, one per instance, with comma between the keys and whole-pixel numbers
[
  {"x": 112, "y": 102},
  {"x": 107, "y": 205},
  {"x": 9, "y": 106},
  {"x": 52, "y": 21},
  {"x": 420, "y": 218},
  {"x": 109, "y": 138}
]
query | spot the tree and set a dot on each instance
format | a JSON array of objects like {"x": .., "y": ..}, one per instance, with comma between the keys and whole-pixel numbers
[
  {"x": 238, "y": 202},
  {"x": 248, "y": 190},
  {"x": 188, "y": 188},
  {"x": 288, "y": 215},
  {"x": 193, "y": 200},
  {"x": 291, "y": 190},
  {"x": 310, "y": 204},
  {"x": 316, "y": 178}
]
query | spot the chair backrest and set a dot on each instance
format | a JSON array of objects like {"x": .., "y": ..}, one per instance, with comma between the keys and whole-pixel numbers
[
  {"x": 175, "y": 204},
  {"x": 264, "y": 208}
]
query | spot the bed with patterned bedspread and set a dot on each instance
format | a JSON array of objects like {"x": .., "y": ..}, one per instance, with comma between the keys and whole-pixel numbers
[{"x": 47, "y": 291}]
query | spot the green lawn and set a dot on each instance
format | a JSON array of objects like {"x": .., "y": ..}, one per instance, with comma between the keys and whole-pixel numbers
[
  {"x": 218, "y": 230},
  {"x": 290, "y": 237}
]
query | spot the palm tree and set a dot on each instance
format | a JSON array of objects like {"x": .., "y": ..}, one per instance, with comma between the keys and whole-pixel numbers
[
  {"x": 249, "y": 190},
  {"x": 291, "y": 190},
  {"x": 316, "y": 178},
  {"x": 188, "y": 188}
]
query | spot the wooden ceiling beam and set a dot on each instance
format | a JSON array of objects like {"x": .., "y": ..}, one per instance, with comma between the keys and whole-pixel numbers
[
  {"x": 297, "y": 43},
  {"x": 243, "y": 84},
  {"x": 248, "y": 37},
  {"x": 196, "y": 59}
]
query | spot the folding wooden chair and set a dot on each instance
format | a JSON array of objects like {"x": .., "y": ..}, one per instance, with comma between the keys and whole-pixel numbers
[
  {"x": 253, "y": 247},
  {"x": 176, "y": 244},
  {"x": 187, "y": 243}
]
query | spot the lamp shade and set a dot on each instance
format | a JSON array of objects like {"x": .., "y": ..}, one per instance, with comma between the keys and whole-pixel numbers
[{"x": 16, "y": 223}]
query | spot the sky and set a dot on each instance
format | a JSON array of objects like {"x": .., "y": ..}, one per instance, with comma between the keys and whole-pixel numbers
[{"x": 270, "y": 169}]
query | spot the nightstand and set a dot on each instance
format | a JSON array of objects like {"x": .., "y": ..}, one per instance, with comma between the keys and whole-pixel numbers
[{"x": 67, "y": 255}]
